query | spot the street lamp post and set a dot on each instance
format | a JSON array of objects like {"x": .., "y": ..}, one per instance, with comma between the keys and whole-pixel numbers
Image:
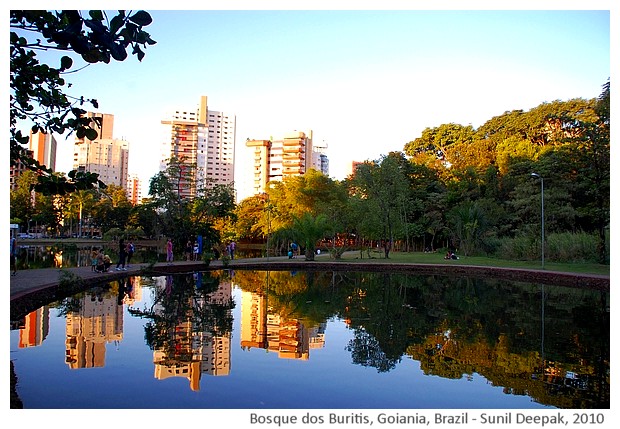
[
  {"x": 268, "y": 208},
  {"x": 542, "y": 217}
]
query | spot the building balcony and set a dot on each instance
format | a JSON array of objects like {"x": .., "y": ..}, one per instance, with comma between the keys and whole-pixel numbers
[
  {"x": 289, "y": 164},
  {"x": 293, "y": 142}
]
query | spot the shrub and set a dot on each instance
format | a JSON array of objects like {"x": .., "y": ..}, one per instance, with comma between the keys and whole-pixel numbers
[{"x": 559, "y": 247}]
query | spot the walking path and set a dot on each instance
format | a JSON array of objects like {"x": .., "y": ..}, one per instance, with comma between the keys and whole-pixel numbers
[{"x": 26, "y": 282}]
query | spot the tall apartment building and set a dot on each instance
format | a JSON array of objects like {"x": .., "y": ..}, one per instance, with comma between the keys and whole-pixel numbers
[
  {"x": 205, "y": 139},
  {"x": 134, "y": 191},
  {"x": 320, "y": 161},
  {"x": 274, "y": 160},
  {"x": 106, "y": 156},
  {"x": 43, "y": 147}
]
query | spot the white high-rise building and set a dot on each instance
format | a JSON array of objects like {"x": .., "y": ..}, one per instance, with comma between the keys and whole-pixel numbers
[
  {"x": 204, "y": 138},
  {"x": 320, "y": 161},
  {"x": 106, "y": 156}
]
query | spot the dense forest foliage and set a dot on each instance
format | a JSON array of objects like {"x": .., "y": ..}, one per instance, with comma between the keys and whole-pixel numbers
[{"x": 475, "y": 190}]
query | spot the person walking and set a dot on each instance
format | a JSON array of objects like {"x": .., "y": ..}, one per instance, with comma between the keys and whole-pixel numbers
[
  {"x": 122, "y": 255},
  {"x": 188, "y": 250},
  {"x": 233, "y": 246},
  {"x": 130, "y": 251},
  {"x": 196, "y": 250},
  {"x": 13, "y": 257},
  {"x": 169, "y": 253}
]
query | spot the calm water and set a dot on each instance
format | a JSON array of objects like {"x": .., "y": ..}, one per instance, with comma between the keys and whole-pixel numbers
[{"x": 267, "y": 340}]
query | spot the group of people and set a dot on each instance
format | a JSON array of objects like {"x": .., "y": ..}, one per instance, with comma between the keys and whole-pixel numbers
[
  {"x": 450, "y": 255},
  {"x": 192, "y": 251},
  {"x": 230, "y": 249},
  {"x": 101, "y": 262}
]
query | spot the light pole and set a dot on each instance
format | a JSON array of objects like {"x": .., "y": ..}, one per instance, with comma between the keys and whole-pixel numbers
[
  {"x": 542, "y": 217},
  {"x": 268, "y": 208}
]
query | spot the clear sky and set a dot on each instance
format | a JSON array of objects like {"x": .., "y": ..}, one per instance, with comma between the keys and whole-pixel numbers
[{"x": 364, "y": 81}]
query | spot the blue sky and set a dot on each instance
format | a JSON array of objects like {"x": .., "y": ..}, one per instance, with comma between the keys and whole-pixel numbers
[{"x": 365, "y": 81}]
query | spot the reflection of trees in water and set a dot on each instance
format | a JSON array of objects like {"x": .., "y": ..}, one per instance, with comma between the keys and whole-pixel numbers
[
  {"x": 181, "y": 303},
  {"x": 366, "y": 351},
  {"x": 459, "y": 326}
]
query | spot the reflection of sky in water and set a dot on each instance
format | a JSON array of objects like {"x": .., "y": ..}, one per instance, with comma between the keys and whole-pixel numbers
[{"x": 257, "y": 379}]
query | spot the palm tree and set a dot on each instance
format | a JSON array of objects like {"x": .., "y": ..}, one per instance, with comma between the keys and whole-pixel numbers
[{"x": 308, "y": 230}]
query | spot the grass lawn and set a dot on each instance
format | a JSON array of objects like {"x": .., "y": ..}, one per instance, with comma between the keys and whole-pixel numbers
[{"x": 438, "y": 258}]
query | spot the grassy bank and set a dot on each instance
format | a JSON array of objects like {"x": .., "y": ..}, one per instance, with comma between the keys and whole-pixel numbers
[{"x": 438, "y": 258}]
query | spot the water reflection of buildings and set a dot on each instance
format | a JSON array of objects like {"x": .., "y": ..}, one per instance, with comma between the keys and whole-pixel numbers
[
  {"x": 35, "y": 328},
  {"x": 98, "y": 321},
  {"x": 262, "y": 328},
  {"x": 192, "y": 352}
]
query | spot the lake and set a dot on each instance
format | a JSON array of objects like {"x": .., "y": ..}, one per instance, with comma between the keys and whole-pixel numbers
[{"x": 316, "y": 340}]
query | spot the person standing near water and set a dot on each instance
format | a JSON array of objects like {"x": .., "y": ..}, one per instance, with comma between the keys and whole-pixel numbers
[
  {"x": 13, "y": 252},
  {"x": 130, "y": 251},
  {"x": 122, "y": 255},
  {"x": 169, "y": 253}
]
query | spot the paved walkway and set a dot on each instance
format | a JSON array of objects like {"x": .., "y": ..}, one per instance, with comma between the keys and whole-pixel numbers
[{"x": 26, "y": 282}]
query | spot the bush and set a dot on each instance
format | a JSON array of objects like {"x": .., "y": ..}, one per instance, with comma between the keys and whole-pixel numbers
[
  {"x": 571, "y": 247},
  {"x": 521, "y": 248},
  {"x": 559, "y": 247}
]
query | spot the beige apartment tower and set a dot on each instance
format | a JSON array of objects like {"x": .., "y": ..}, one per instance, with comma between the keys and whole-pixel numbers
[
  {"x": 278, "y": 159},
  {"x": 106, "y": 156}
]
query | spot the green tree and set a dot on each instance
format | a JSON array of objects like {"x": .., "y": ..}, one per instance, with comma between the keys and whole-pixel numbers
[
  {"x": 587, "y": 146},
  {"x": 144, "y": 216},
  {"x": 21, "y": 198},
  {"x": 112, "y": 209},
  {"x": 173, "y": 209},
  {"x": 469, "y": 225},
  {"x": 441, "y": 141},
  {"x": 382, "y": 189},
  {"x": 37, "y": 90},
  {"x": 186, "y": 208},
  {"x": 251, "y": 222}
]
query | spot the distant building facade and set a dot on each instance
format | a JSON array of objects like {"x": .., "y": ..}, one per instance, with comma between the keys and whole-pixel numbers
[
  {"x": 106, "y": 156},
  {"x": 43, "y": 147},
  {"x": 204, "y": 140},
  {"x": 320, "y": 161},
  {"x": 134, "y": 191},
  {"x": 275, "y": 160}
]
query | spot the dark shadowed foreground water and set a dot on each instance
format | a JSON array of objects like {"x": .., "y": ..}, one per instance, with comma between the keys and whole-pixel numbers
[{"x": 316, "y": 340}]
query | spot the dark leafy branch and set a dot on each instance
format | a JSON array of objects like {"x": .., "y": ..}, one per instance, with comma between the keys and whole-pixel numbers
[{"x": 38, "y": 89}]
